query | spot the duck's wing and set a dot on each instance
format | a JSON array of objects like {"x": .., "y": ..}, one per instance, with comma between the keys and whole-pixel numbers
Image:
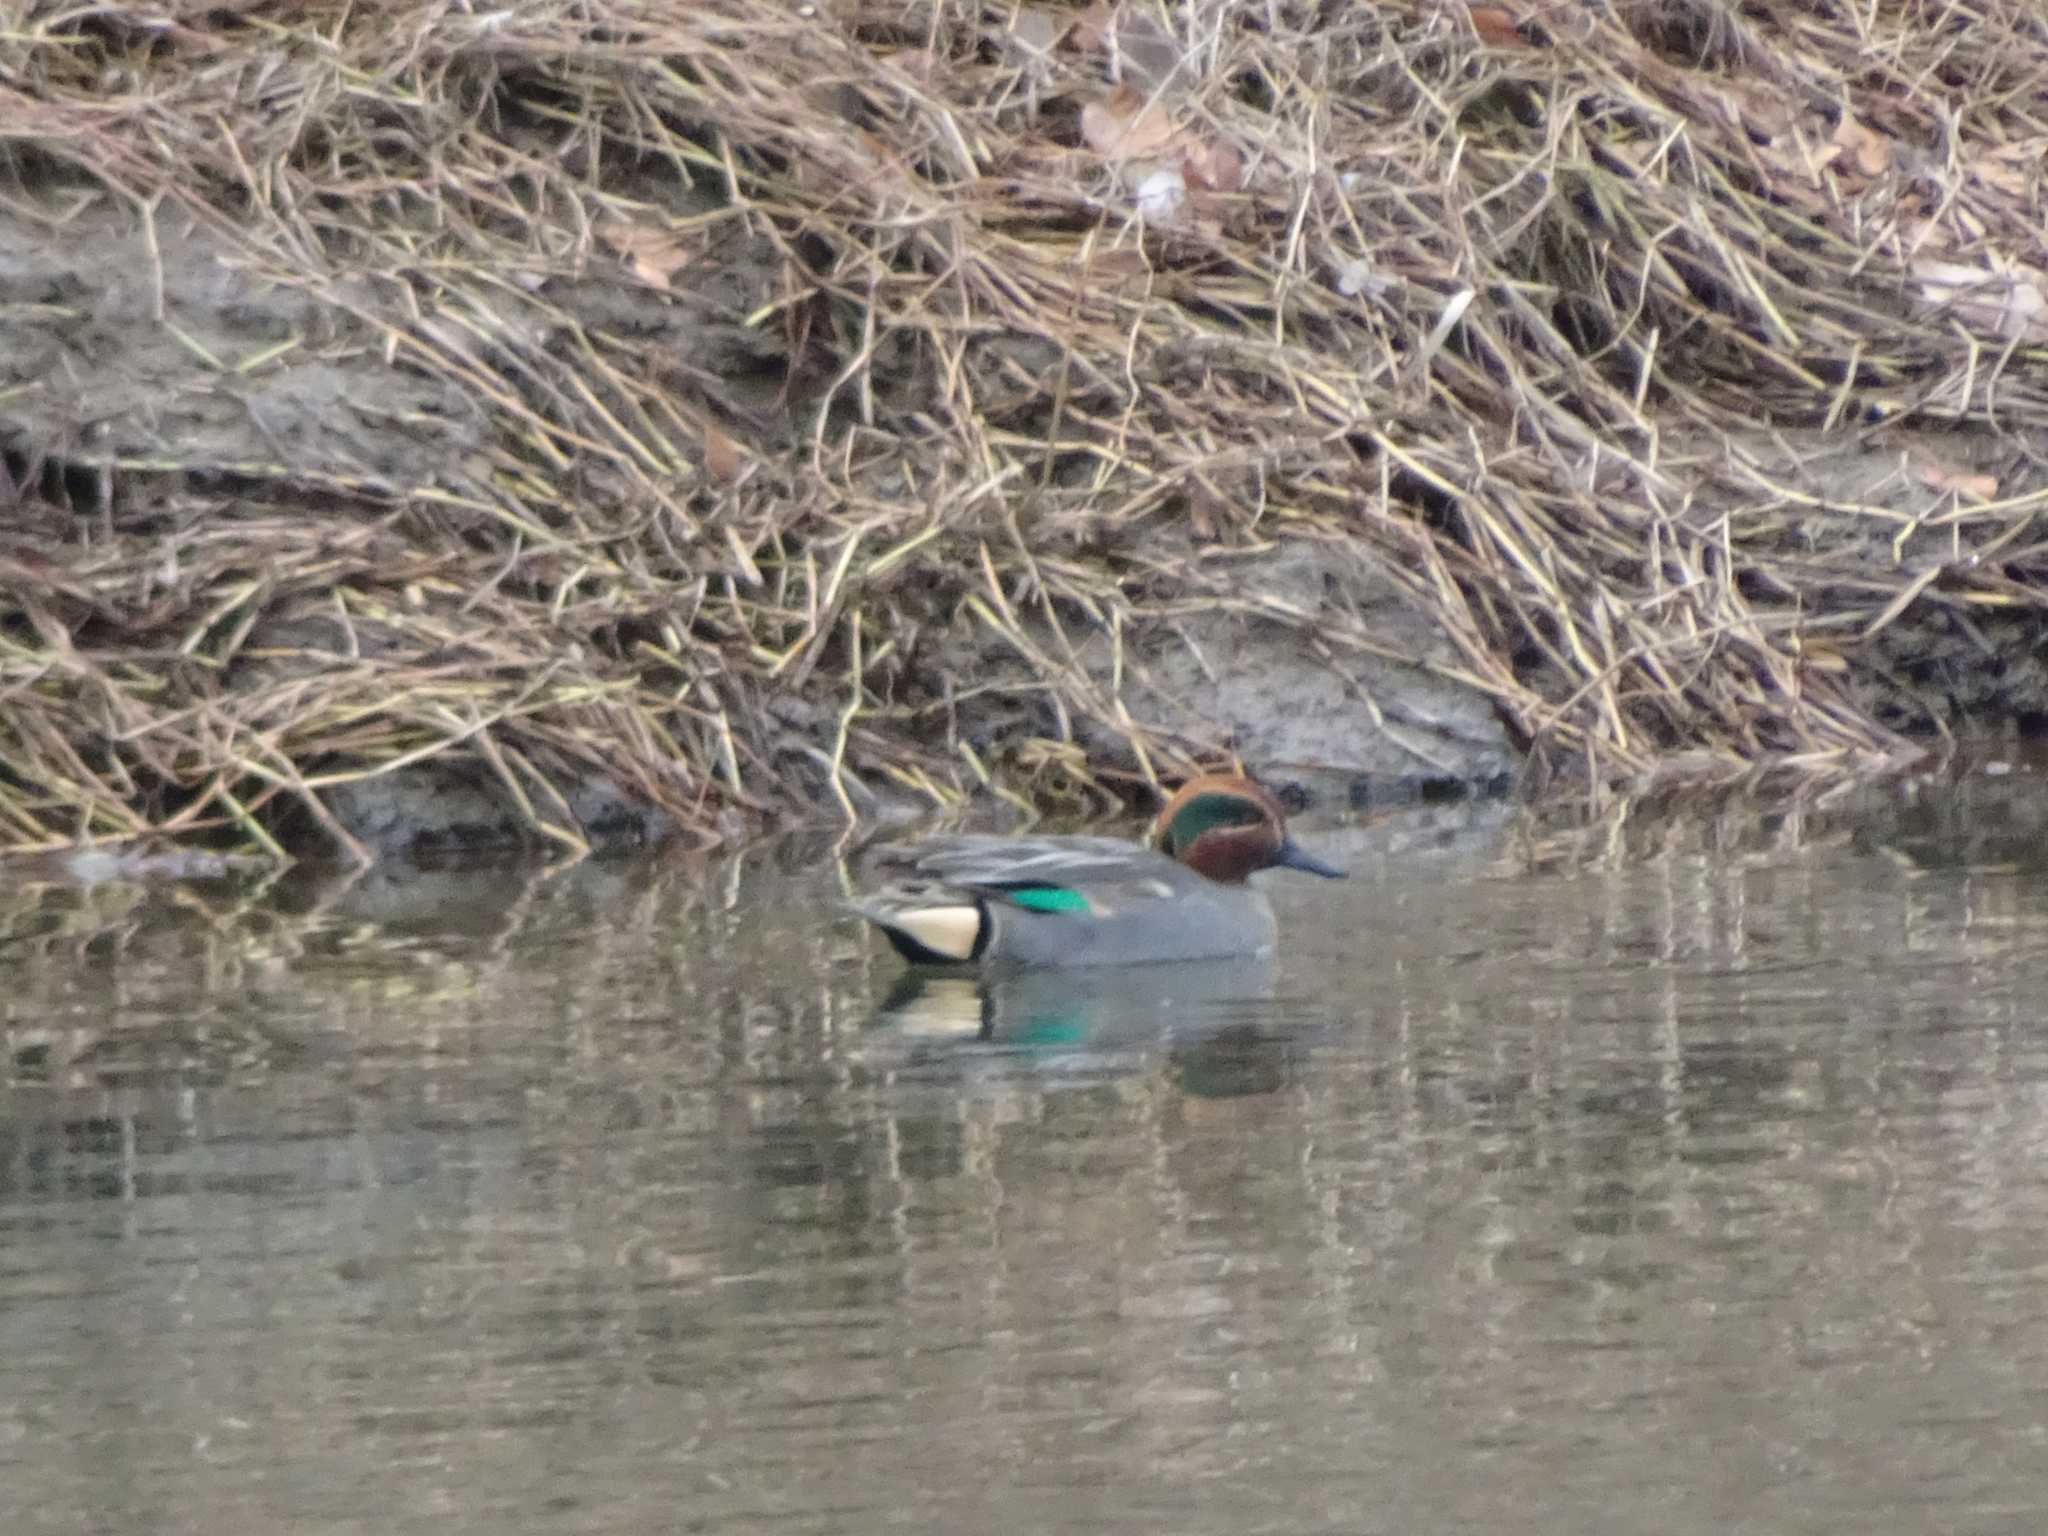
[
  {"x": 1002, "y": 864},
  {"x": 934, "y": 898}
]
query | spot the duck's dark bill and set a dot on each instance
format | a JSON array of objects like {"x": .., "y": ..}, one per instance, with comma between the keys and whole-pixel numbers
[{"x": 1293, "y": 857}]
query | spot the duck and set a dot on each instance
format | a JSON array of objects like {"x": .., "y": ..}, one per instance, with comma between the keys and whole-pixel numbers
[{"x": 1003, "y": 903}]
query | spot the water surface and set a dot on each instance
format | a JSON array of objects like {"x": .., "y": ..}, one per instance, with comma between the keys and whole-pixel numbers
[{"x": 1675, "y": 1174}]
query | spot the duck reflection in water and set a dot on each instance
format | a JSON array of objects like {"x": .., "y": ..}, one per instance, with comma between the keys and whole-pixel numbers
[{"x": 1209, "y": 1018}]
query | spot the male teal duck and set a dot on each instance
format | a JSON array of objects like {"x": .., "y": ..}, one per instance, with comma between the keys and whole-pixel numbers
[{"x": 1074, "y": 901}]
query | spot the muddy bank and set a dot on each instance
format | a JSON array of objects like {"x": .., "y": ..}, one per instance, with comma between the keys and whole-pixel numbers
[{"x": 577, "y": 429}]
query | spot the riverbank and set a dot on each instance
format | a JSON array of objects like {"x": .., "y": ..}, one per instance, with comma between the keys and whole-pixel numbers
[{"x": 560, "y": 425}]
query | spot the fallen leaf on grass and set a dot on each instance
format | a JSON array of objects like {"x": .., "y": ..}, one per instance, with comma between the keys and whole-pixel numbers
[
  {"x": 1126, "y": 125},
  {"x": 724, "y": 458},
  {"x": 1947, "y": 477},
  {"x": 1214, "y": 165},
  {"x": 654, "y": 255},
  {"x": 1203, "y": 507},
  {"x": 1865, "y": 151},
  {"x": 1166, "y": 168},
  {"x": 1496, "y": 27}
]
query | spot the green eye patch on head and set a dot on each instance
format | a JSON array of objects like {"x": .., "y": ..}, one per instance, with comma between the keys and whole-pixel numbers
[{"x": 1206, "y": 813}]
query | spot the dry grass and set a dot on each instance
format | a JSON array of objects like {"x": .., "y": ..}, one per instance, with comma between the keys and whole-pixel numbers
[{"x": 1500, "y": 304}]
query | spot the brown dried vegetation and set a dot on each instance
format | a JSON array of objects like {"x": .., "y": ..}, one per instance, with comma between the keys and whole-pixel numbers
[{"x": 1050, "y": 320}]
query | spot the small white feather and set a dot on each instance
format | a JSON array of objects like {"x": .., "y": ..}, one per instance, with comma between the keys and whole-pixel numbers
[{"x": 1161, "y": 196}]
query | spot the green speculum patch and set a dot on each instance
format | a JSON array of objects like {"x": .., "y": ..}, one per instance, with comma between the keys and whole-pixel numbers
[{"x": 1049, "y": 898}]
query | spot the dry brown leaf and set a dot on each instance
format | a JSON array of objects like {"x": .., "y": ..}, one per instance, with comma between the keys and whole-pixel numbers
[
  {"x": 1866, "y": 152},
  {"x": 1126, "y": 125},
  {"x": 654, "y": 255},
  {"x": 724, "y": 458},
  {"x": 1208, "y": 512},
  {"x": 1947, "y": 477},
  {"x": 1214, "y": 164},
  {"x": 1496, "y": 27}
]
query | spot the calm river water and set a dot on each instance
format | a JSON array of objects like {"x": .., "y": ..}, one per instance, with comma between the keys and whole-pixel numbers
[{"x": 1642, "y": 1174}]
